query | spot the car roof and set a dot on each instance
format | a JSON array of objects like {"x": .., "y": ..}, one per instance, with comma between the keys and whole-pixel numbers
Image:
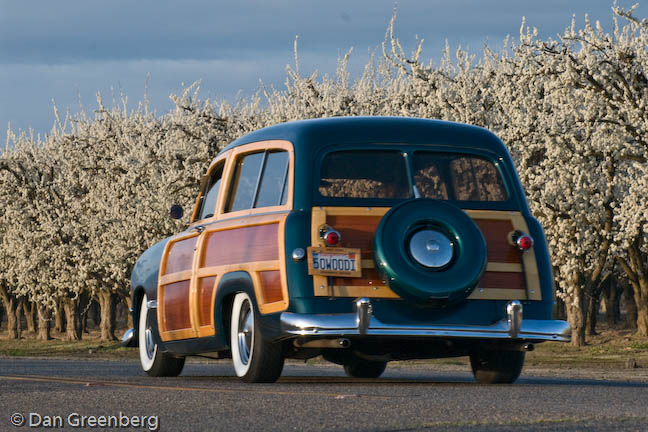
[{"x": 315, "y": 133}]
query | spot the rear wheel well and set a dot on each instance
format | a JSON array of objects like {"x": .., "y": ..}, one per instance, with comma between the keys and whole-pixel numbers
[{"x": 226, "y": 313}]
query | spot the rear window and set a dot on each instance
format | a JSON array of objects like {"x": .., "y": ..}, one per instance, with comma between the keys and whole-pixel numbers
[
  {"x": 364, "y": 174},
  {"x": 457, "y": 177},
  {"x": 383, "y": 174}
]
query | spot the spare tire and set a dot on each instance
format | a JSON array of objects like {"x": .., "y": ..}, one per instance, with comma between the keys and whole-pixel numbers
[{"x": 430, "y": 251}]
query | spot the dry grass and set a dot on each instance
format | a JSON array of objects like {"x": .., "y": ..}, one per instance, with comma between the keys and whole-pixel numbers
[
  {"x": 90, "y": 347},
  {"x": 612, "y": 348}
]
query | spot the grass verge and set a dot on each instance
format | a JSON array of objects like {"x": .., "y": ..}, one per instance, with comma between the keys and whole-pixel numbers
[{"x": 90, "y": 347}]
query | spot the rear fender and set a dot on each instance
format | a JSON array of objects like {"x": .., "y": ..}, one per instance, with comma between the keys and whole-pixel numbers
[{"x": 231, "y": 284}]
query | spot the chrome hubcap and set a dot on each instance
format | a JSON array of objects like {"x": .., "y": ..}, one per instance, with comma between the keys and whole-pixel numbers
[
  {"x": 245, "y": 332},
  {"x": 150, "y": 346},
  {"x": 431, "y": 248}
]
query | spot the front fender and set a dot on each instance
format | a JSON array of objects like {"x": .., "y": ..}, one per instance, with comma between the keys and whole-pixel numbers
[{"x": 144, "y": 280}]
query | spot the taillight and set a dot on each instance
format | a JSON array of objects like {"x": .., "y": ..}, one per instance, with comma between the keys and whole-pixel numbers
[
  {"x": 330, "y": 236},
  {"x": 522, "y": 240},
  {"x": 525, "y": 242}
]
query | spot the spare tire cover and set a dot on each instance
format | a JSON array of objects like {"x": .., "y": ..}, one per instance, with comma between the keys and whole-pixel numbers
[{"x": 429, "y": 250}]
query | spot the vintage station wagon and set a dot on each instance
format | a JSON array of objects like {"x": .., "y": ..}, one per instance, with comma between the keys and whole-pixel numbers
[{"x": 363, "y": 240}]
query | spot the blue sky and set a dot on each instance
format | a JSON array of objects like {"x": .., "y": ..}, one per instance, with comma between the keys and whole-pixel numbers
[{"x": 67, "y": 51}]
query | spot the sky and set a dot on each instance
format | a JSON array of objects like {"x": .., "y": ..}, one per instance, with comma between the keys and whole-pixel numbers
[{"x": 65, "y": 52}]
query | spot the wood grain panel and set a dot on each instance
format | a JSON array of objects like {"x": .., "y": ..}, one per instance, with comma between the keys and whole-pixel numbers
[
  {"x": 205, "y": 292},
  {"x": 271, "y": 286},
  {"x": 181, "y": 256},
  {"x": 356, "y": 231},
  {"x": 176, "y": 306},
  {"x": 495, "y": 233},
  {"x": 502, "y": 280},
  {"x": 241, "y": 245},
  {"x": 370, "y": 276},
  {"x": 359, "y": 231}
]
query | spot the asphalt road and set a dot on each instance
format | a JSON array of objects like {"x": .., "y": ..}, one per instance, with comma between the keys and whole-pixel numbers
[{"x": 49, "y": 393}]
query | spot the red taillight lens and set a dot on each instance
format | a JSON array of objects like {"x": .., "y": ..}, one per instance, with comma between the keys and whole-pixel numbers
[
  {"x": 524, "y": 242},
  {"x": 332, "y": 238}
]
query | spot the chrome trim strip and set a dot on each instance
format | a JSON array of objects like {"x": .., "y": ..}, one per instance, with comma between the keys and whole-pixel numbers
[
  {"x": 293, "y": 324},
  {"x": 151, "y": 304}
]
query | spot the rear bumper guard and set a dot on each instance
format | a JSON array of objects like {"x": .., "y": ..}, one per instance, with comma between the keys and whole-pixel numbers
[{"x": 363, "y": 323}]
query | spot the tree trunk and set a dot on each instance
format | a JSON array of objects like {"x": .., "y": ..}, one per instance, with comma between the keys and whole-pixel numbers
[
  {"x": 84, "y": 306},
  {"x": 593, "y": 304},
  {"x": 576, "y": 316},
  {"x": 10, "y": 303},
  {"x": 612, "y": 292},
  {"x": 93, "y": 313},
  {"x": 636, "y": 268},
  {"x": 44, "y": 323},
  {"x": 72, "y": 319},
  {"x": 29, "y": 310},
  {"x": 107, "y": 301},
  {"x": 59, "y": 318},
  {"x": 641, "y": 300},
  {"x": 19, "y": 314},
  {"x": 631, "y": 306}
]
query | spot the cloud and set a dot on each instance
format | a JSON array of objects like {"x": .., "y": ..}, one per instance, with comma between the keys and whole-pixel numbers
[{"x": 54, "y": 50}]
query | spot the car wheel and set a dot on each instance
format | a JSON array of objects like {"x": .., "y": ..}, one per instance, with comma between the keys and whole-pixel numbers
[
  {"x": 365, "y": 368},
  {"x": 154, "y": 362},
  {"x": 255, "y": 359},
  {"x": 429, "y": 251},
  {"x": 497, "y": 367}
]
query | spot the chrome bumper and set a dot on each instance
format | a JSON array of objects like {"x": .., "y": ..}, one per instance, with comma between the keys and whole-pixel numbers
[
  {"x": 128, "y": 338},
  {"x": 362, "y": 323}
]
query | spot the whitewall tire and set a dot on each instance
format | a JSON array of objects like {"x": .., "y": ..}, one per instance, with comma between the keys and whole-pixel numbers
[
  {"x": 153, "y": 361},
  {"x": 254, "y": 358}
]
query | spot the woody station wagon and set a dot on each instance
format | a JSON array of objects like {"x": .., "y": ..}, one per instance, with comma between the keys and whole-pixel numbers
[{"x": 362, "y": 240}]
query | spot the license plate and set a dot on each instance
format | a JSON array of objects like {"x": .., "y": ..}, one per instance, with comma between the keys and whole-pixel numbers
[{"x": 343, "y": 262}]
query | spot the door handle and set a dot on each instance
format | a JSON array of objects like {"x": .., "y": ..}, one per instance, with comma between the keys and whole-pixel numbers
[{"x": 199, "y": 229}]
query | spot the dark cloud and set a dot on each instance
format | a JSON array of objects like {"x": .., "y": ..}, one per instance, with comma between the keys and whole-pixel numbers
[
  {"x": 54, "y": 50},
  {"x": 48, "y": 32}
]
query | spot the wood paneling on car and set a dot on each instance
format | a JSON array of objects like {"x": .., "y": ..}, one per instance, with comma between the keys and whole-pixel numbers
[
  {"x": 176, "y": 306},
  {"x": 509, "y": 274},
  {"x": 271, "y": 286},
  {"x": 181, "y": 255},
  {"x": 235, "y": 246}
]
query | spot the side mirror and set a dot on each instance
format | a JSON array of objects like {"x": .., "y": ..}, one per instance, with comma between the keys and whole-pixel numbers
[{"x": 176, "y": 211}]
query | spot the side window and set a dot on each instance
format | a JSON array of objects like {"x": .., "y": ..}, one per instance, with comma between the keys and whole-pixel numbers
[
  {"x": 244, "y": 182},
  {"x": 260, "y": 180},
  {"x": 208, "y": 202},
  {"x": 273, "y": 182}
]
